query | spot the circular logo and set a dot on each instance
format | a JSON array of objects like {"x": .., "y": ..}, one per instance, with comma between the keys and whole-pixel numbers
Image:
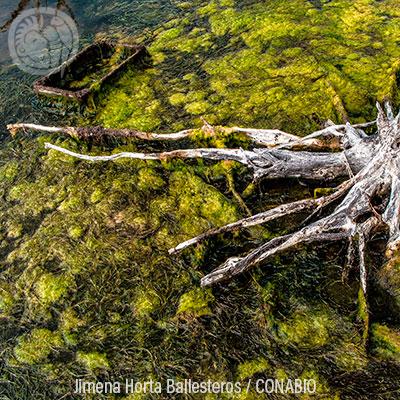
[{"x": 42, "y": 39}]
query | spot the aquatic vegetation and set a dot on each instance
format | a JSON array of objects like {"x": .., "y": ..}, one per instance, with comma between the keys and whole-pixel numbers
[
  {"x": 386, "y": 342},
  {"x": 389, "y": 278},
  {"x": 7, "y": 300},
  {"x": 93, "y": 361},
  {"x": 196, "y": 303},
  {"x": 307, "y": 328},
  {"x": 149, "y": 180},
  {"x": 304, "y": 65},
  {"x": 36, "y": 347},
  {"x": 83, "y": 246},
  {"x": 50, "y": 288},
  {"x": 146, "y": 303},
  {"x": 9, "y": 171},
  {"x": 250, "y": 368},
  {"x": 138, "y": 108},
  {"x": 92, "y": 269}
]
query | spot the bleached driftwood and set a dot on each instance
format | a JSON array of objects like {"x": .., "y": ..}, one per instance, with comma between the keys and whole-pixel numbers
[
  {"x": 369, "y": 200},
  {"x": 328, "y": 138}
]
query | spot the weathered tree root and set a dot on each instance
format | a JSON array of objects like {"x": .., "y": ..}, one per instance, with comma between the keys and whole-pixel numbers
[
  {"x": 276, "y": 160},
  {"x": 370, "y": 197},
  {"x": 328, "y": 138}
]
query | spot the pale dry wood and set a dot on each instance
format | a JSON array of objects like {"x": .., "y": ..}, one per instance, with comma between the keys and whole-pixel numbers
[
  {"x": 329, "y": 138},
  {"x": 370, "y": 164}
]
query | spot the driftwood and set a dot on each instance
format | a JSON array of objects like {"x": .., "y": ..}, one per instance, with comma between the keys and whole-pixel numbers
[
  {"x": 368, "y": 199},
  {"x": 328, "y": 138}
]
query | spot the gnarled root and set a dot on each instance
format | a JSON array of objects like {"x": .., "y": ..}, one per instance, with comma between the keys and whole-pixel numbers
[{"x": 370, "y": 197}]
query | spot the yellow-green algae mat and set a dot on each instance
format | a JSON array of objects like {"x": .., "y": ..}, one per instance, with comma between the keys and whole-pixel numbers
[
  {"x": 281, "y": 64},
  {"x": 87, "y": 288}
]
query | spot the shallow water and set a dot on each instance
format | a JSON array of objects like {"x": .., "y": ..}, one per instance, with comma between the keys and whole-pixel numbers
[
  {"x": 16, "y": 99},
  {"x": 87, "y": 288}
]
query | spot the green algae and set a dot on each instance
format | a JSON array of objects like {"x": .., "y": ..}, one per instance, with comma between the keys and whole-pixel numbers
[
  {"x": 307, "y": 328},
  {"x": 146, "y": 303},
  {"x": 148, "y": 179},
  {"x": 97, "y": 196},
  {"x": 7, "y": 300},
  {"x": 363, "y": 313},
  {"x": 9, "y": 171},
  {"x": 250, "y": 368},
  {"x": 69, "y": 325},
  {"x": 386, "y": 342},
  {"x": 304, "y": 66},
  {"x": 50, "y": 288},
  {"x": 389, "y": 279},
  {"x": 115, "y": 283},
  {"x": 196, "y": 303},
  {"x": 93, "y": 361},
  {"x": 37, "y": 346},
  {"x": 106, "y": 228},
  {"x": 351, "y": 356},
  {"x": 320, "y": 192},
  {"x": 138, "y": 108}
]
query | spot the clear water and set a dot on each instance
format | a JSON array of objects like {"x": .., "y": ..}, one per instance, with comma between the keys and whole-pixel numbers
[
  {"x": 17, "y": 101},
  {"x": 298, "y": 298}
]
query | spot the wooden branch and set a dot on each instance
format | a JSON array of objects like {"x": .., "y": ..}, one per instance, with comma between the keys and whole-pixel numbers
[
  {"x": 265, "y": 163},
  {"x": 371, "y": 162},
  {"x": 391, "y": 215},
  {"x": 283, "y": 210},
  {"x": 326, "y": 139},
  {"x": 98, "y": 132},
  {"x": 236, "y": 265},
  {"x": 212, "y": 154}
]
